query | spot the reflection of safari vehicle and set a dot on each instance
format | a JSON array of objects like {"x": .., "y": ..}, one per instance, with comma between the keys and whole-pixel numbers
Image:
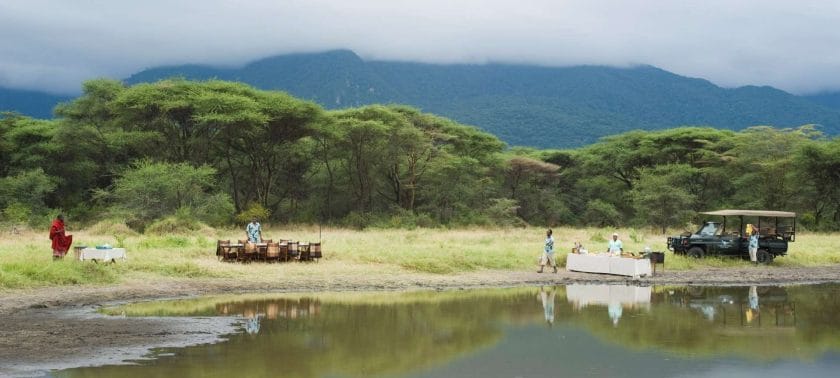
[{"x": 715, "y": 239}]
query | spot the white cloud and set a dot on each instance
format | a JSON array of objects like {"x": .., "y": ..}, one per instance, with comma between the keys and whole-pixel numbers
[{"x": 55, "y": 44}]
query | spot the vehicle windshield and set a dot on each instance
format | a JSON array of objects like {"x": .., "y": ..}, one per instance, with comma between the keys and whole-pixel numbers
[{"x": 710, "y": 229}]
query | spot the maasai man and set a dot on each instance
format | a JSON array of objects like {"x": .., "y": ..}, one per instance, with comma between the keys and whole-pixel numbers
[{"x": 60, "y": 241}]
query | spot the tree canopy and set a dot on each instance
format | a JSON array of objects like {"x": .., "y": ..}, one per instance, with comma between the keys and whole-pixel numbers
[{"x": 221, "y": 151}]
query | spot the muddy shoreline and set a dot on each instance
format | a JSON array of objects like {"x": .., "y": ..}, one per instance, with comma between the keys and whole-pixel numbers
[{"x": 58, "y": 328}]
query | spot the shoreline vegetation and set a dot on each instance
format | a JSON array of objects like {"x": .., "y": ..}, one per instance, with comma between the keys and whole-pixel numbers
[
  {"x": 51, "y": 306},
  {"x": 25, "y": 258}
]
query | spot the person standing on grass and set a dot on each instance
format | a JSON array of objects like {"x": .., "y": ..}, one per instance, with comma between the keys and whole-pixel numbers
[
  {"x": 615, "y": 247},
  {"x": 753, "y": 245},
  {"x": 60, "y": 241},
  {"x": 548, "y": 253},
  {"x": 254, "y": 231}
]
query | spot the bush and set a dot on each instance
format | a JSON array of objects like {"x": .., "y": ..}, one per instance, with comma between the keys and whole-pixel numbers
[
  {"x": 178, "y": 225},
  {"x": 16, "y": 213},
  {"x": 357, "y": 220},
  {"x": 600, "y": 213},
  {"x": 149, "y": 191},
  {"x": 217, "y": 210},
  {"x": 502, "y": 212},
  {"x": 111, "y": 227},
  {"x": 254, "y": 210}
]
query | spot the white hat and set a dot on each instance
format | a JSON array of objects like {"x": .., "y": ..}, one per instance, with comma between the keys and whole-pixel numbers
[{"x": 615, "y": 234}]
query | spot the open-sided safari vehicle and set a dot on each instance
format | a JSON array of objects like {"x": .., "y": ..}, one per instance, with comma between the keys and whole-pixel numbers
[{"x": 776, "y": 230}]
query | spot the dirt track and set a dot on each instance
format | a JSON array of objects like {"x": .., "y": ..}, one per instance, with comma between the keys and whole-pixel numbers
[{"x": 57, "y": 328}]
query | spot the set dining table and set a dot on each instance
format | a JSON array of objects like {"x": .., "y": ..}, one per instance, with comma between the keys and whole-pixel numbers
[{"x": 238, "y": 252}]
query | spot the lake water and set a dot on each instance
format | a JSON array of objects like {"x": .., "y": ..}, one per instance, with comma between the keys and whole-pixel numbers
[{"x": 568, "y": 331}]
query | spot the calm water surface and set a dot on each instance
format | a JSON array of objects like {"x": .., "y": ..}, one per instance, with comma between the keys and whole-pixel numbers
[{"x": 571, "y": 331}]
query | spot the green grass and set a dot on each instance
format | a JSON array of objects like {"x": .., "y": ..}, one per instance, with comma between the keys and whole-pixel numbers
[{"x": 26, "y": 262}]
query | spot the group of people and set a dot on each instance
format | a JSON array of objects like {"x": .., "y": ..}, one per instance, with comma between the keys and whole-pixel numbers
[{"x": 615, "y": 247}]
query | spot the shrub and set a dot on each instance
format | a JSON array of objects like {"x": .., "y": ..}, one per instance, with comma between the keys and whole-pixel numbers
[
  {"x": 254, "y": 210},
  {"x": 502, "y": 212},
  {"x": 600, "y": 213},
  {"x": 178, "y": 225},
  {"x": 111, "y": 227},
  {"x": 16, "y": 213},
  {"x": 357, "y": 220}
]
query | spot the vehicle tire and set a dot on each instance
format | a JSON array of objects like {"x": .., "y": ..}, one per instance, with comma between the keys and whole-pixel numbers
[
  {"x": 696, "y": 252},
  {"x": 763, "y": 256}
]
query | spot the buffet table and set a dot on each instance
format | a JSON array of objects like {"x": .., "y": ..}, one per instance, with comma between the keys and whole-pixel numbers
[
  {"x": 608, "y": 264},
  {"x": 110, "y": 254}
]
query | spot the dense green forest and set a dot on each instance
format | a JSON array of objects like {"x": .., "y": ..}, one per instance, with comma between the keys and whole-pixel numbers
[{"x": 182, "y": 152}]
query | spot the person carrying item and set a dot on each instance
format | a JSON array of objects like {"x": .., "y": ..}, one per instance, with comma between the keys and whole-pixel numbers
[
  {"x": 548, "y": 253},
  {"x": 615, "y": 247},
  {"x": 254, "y": 231},
  {"x": 60, "y": 241}
]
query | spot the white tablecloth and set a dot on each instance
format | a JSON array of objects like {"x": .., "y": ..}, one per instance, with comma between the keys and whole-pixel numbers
[
  {"x": 102, "y": 254},
  {"x": 609, "y": 265}
]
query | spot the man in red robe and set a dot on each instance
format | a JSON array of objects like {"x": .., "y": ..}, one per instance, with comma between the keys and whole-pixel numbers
[{"x": 60, "y": 241}]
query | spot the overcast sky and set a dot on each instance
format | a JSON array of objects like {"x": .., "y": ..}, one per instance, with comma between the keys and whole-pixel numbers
[{"x": 792, "y": 45}]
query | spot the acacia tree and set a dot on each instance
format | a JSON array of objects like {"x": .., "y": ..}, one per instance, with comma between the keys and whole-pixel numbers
[
  {"x": 152, "y": 190},
  {"x": 659, "y": 197},
  {"x": 819, "y": 181}
]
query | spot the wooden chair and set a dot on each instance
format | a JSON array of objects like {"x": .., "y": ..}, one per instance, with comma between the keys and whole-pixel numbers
[
  {"x": 250, "y": 252},
  {"x": 293, "y": 250},
  {"x": 220, "y": 250},
  {"x": 315, "y": 251},
  {"x": 272, "y": 252},
  {"x": 284, "y": 252},
  {"x": 239, "y": 253},
  {"x": 304, "y": 251}
]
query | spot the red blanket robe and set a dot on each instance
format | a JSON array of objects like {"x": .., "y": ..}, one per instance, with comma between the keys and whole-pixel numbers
[{"x": 60, "y": 241}]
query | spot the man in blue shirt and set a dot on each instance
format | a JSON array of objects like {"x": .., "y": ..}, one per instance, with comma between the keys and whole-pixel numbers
[
  {"x": 254, "y": 231},
  {"x": 548, "y": 253},
  {"x": 753, "y": 245},
  {"x": 615, "y": 247}
]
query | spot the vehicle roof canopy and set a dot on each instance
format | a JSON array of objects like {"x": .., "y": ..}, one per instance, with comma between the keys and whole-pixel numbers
[{"x": 753, "y": 213}]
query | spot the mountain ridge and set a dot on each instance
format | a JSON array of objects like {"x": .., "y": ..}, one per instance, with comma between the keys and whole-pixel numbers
[{"x": 540, "y": 106}]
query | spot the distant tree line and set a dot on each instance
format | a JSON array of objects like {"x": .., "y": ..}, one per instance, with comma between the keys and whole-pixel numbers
[{"x": 222, "y": 152}]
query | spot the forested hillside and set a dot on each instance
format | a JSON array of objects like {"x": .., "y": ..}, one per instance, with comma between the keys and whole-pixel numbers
[
  {"x": 523, "y": 105},
  {"x": 176, "y": 152},
  {"x": 32, "y": 103},
  {"x": 547, "y": 107},
  {"x": 827, "y": 99}
]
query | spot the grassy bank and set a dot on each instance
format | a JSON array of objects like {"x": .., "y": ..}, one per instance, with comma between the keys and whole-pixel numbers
[{"x": 25, "y": 259}]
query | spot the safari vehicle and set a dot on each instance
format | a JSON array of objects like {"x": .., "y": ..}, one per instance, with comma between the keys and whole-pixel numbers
[{"x": 730, "y": 239}]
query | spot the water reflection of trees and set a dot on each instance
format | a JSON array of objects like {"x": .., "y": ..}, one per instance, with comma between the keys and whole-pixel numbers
[
  {"x": 382, "y": 334},
  {"x": 784, "y": 322},
  {"x": 352, "y": 334}
]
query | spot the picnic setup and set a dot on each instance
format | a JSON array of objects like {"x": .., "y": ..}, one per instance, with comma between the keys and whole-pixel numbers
[
  {"x": 267, "y": 250},
  {"x": 104, "y": 253},
  {"x": 626, "y": 264}
]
